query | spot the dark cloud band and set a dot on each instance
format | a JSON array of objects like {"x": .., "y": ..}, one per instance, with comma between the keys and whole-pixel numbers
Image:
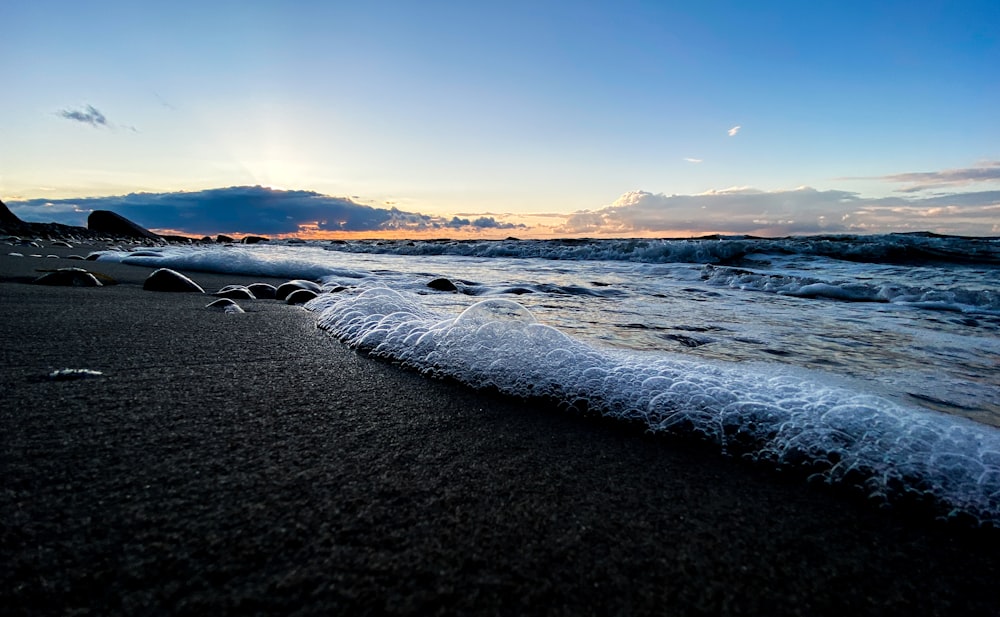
[{"x": 249, "y": 209}]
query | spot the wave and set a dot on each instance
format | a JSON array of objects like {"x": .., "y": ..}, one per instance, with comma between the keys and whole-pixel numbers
[
  {"x": 951, "y": 299},
  {"x": 780, "y": 417},
  {"x": 904, "y": 249},
  {"x": 232, "y": 261}
]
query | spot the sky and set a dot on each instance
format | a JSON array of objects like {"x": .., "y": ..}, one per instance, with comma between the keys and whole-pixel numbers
[{"x": 490, "y": 119}]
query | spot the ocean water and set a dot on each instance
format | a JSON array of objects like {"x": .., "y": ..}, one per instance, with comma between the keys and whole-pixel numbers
[{"x": 867, "y": 361}]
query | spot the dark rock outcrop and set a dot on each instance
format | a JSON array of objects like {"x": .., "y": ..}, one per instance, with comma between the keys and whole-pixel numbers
[
  {"x": 12, "y": 225},
  {"x": 108, "y": 222},
  {"x": 178, "y": 239},
  {"x": 223, "y": 239},
  {"x": 9, "y": 222},
  {"x": 254, "y": 239}
]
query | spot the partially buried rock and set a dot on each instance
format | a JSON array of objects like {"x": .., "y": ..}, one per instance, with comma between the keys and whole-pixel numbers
[
  {"x": 165, "y": 279},
  {"x": 300, "y": 296},
  {"x": 286, "y": 288},
  {"x": 237, "y": 292},
  {"x": 262, "y": 290},
  {"x": 225, "y": 305},
  {"x": 254, "y": 240},
  {"x": 69, "y": 277},
  {"x": 442, "y": 284}
]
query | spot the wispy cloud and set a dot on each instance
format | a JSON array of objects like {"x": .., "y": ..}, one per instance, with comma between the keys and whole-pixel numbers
[
  {"x": 92, "y": 116},
  {"x": 692, "y": 160},
  {"x": 89, "y": 115},
  {"x": 733, "y": 131},
  {"x": 923, "y": 180}
]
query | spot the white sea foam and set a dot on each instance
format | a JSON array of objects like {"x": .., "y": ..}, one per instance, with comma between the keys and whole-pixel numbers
[
  {"x": 906, "y": 249},
  {"x": 235, "y": 260},
  {"x": 769, "y": 415}
]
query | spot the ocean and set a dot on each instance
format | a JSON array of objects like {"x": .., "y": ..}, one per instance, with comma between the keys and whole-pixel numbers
[{"x": 870, "y": 362}]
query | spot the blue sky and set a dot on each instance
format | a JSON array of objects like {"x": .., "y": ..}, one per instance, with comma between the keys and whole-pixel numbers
[{"x": 560, "y": 118}]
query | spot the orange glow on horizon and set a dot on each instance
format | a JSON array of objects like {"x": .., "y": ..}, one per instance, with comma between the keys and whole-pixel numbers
[
  {"x": 448, "y": 234},
  {"x": 532, "y": 227}
]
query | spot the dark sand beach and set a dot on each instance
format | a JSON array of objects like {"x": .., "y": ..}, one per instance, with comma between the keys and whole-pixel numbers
[{"x": 249, "y": 464}]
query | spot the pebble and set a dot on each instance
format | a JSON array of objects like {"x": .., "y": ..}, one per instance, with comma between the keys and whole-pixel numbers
[
  {"x": 225, "y": 305},
  {"x": 286, "y": 288},
  {"x": 69, "y": 277},
  {"x": 166, "y": 279},
  {"x": 300, "y": 296},
  {"x": 237, "y": 292}
]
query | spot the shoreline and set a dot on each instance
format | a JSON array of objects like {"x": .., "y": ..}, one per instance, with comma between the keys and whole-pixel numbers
[{"x": 250, "y": 463}]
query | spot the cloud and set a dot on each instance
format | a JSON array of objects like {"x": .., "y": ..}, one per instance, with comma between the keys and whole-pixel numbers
[
  {"x": 733, "y": 131},
  {"x": 803, "y": 210},
  {"x": 246, "y": 209},
  {"x": 691, "y": 160},
  {"x": 923, "y": 180},
  {"x": 90, "y": 115}
]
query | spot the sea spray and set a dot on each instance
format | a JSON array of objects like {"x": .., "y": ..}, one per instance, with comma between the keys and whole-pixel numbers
[{"x": 768, "y": 415}]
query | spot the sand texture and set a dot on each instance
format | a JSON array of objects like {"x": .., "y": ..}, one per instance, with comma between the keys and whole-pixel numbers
[{"x": 249, "y": 464}]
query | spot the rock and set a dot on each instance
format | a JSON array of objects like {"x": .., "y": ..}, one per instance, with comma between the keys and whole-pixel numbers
[
  {"x": 254, "y": 239},
  {"x": 165, "y": 279},
  {"x": 62, "y": 243},
  {"x": 222, "y": 239},
  {"x": 442, "y": 284},
  {"x": 9, "y": 222},
  {"x": 225, "y": 305},
  {"x": 178, "y": 239},
  {"x": 69, "y": 277},
  {"x": 107, "y": 222},
  {"x": 300, "y": 296},
  {"x": 286, "y": 288},
  {"x": 104, "y": 278},
  {"x": 262, "y": 290},
  {"x": 238, "y": 292}
]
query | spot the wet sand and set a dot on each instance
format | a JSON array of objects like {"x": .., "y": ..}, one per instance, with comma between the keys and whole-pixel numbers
[{"x": 249, "y": 463}]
